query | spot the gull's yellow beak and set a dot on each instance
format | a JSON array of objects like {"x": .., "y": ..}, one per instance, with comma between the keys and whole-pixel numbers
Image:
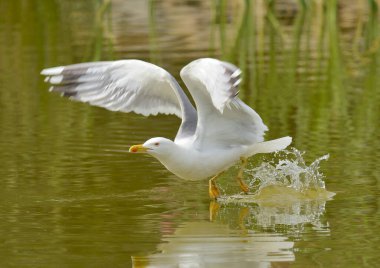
[{"x": 138, "y": 149}]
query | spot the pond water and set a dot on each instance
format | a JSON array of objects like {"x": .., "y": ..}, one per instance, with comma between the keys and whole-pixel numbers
[{"x": 70, "y": 195}]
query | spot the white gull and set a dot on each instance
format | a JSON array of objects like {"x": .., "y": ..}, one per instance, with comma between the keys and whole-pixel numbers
[{"x": 222, "y": 131}]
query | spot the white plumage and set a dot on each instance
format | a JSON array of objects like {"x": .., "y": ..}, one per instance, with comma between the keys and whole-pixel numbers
[{"x": 210, "y": 139}]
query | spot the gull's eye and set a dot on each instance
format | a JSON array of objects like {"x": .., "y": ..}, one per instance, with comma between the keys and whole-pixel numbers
[{"x": 157, "y": 144}]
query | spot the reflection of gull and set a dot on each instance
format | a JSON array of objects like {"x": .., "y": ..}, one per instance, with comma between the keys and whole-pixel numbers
[
  {"x": 282, "y": 206},
  {"x": 206, "y": 244},
  {"x": 236, "y": 236},
  {"x": 209, "y": 140}
]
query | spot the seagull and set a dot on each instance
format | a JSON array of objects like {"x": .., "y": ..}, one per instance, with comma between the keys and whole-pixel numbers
[{"x": 222, "y": 131}]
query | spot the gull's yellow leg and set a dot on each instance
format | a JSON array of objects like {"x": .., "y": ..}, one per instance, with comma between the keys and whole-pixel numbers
[
  {"x": 214, "y": 208},
  {"x": 243, "y": 186},
  {"x": 213, "y": 190}
]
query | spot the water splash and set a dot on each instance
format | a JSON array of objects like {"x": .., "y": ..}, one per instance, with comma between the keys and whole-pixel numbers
[
  {"x": 290, "y": 170},
  {"x": 286, "y": 194}
]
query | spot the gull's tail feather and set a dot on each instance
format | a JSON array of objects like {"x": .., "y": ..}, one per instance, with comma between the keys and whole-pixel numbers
[{"x": 270, "y": 146}]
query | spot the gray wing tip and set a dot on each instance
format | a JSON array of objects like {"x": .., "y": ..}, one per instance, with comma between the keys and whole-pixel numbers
[
  {"x": 69, "y": 94},
  {"x": 66, "y": 91}
]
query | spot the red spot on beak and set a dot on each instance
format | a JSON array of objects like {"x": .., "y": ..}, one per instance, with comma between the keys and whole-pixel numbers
[{"x": 139, "y": 148}]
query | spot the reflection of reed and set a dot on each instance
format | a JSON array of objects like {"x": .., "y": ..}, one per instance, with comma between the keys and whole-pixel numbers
[
  {"x": 101, "y": 31},
  {"x": 154, "y": 48}
]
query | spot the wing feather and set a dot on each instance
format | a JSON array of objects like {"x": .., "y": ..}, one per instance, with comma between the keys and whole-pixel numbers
[
  {"x": 223, "y": 119},
  {"x": 135, "y": 83},
  {"x": 126, "y": 86}
]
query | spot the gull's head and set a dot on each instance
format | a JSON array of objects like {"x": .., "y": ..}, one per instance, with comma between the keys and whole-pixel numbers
[{"x": 154, "y": 146}]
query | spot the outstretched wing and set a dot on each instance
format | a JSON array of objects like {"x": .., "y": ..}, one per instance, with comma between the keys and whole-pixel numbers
[
  {"x": 126, "y": 86},
  {"x": 223, "y": 119}
]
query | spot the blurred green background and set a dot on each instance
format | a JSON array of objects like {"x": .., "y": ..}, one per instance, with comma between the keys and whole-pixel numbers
[{"x": 70, "y": 196}]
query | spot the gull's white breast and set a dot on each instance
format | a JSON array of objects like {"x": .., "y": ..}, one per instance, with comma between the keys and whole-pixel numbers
[{"x": 192, "y": 164}]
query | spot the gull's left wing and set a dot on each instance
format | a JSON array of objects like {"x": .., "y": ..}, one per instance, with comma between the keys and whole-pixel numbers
[{"x": 223, "y": 119}]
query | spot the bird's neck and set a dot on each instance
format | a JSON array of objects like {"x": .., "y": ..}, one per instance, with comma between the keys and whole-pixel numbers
[
  {"x": 174, "y": 158},
  {"x": 169, "y": 155}
]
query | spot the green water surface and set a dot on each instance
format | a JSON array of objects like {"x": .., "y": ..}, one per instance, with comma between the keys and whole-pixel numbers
[{"x": 70, "y": 195}]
